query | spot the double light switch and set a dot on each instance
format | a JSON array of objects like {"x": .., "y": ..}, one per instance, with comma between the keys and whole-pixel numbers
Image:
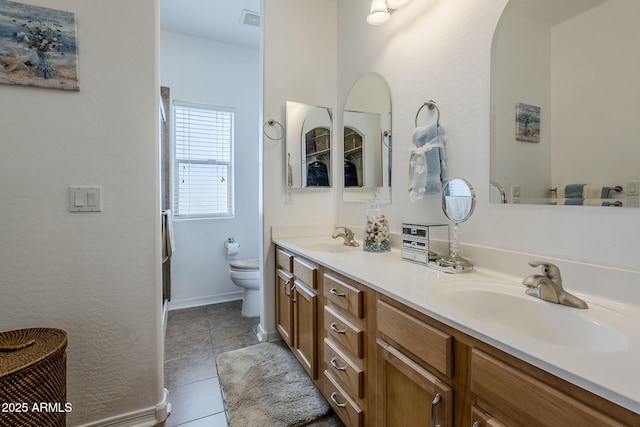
[{"x": 85, "y": 199}]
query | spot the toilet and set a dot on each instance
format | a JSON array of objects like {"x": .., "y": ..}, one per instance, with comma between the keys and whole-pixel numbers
[{"x": 246, "y": 274}]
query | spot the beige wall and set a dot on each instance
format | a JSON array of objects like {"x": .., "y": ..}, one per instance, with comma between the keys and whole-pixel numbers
[{"x": 96, "y": 275}]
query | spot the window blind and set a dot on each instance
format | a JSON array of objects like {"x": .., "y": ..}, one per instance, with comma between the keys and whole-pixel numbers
[{"x": 203, "y": 161}]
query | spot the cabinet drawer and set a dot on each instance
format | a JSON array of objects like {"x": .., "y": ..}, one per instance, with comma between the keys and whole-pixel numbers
[
  {"x": 429, "y": 344},
  {"x": 284, "y": 260},
  {"x": 346, "y": 372},
  {"x": 343, "y": 295},
  {"x": 348, "y": 411},
  {"x": 306, "y": 271},
  {"x": 526, "y": 401},
  {"x": 480, "y": 419},
  {"x": 343, "y": 332}
]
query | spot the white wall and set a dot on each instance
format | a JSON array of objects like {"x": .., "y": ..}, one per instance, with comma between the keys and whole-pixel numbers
[
  {"x": 299, "y": 65},
  {"x": 440, "y": 50},
  {"x": 209, "y": 72},
  {"x": 95, "y": 275}
]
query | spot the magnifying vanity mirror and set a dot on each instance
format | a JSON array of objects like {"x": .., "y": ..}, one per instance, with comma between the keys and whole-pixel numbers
[
  {"x": 458, "y": 203},
  {"x": 564, "y": 103},
  {"x": 367, "y": 140},
  {"x": 308, "y": 141}
]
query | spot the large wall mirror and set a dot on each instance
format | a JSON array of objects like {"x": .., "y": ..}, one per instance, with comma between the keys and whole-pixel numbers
[
  {"x": 564, "y": 103},
  {"x": 367, "y": 140},
  {"x": 308, "y": 133}
]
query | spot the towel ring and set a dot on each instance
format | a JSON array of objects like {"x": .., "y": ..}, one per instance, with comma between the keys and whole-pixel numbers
[
  {"x": 272, "y": 122},
  {"x": 431, "y": 104}
]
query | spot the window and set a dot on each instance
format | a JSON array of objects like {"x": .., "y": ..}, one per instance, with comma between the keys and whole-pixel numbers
[{"x": 203, "y": 161}]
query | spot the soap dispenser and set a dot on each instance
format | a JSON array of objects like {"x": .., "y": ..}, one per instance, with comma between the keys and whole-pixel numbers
[{"x": 376, "y": 229}]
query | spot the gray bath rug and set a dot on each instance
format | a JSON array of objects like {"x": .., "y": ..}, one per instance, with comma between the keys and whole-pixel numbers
[{"x": 265, "y": 385}]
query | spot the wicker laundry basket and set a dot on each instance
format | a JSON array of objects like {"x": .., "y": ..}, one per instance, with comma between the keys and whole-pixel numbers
[{"x": 33, "y": 388}]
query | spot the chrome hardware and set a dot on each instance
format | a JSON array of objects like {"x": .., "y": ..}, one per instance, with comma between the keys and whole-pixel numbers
[
  {"x": 548, "y": 286},
  {"x": 333, "y": 291},
  {"x": 335, "y": 365},
  {"x": 333, "y": 398},
  {"x": 287, "y": 292},
  {"x": 336, "y": 330},
  {"x": 434, "y": 403},
  {"x": 293, "y": 288},
  {"x": 475, "y": 424},
  {"x": 347, "y": 235}
]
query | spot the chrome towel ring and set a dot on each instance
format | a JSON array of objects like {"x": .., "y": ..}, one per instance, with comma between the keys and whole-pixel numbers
[
  {"x": 431, "y": 104},
  {"x": 272, "y": 122}
]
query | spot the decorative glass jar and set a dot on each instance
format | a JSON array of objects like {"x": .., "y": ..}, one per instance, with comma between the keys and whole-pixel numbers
[{"x": 376, "y": 229}]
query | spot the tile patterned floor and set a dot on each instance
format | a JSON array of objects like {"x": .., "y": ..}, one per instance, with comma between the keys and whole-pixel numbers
[{"x": 194, "y": 338}]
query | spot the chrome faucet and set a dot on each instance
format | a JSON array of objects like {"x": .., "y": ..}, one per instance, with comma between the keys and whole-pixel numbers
[
  {"x": 347, "y": 235},
  {"x": 548, "y": 286}
]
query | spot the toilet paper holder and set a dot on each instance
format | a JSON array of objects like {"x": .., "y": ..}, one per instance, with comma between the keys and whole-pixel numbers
[{"x": 230, "y": 240}]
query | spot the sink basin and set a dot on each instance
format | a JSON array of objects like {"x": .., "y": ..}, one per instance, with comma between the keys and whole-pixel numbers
[{"x": 507, "y": 307}]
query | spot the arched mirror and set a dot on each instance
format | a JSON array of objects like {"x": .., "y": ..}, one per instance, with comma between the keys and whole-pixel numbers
[
  {"x": 458, "y": 203},
  {"x": 308, "y": 133},
  {"x": 564, "y": 103},
  {"x": 367, "y": 140}
]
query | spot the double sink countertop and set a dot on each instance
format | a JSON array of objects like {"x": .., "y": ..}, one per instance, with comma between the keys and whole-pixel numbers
[{"x": 597, "y": 348}]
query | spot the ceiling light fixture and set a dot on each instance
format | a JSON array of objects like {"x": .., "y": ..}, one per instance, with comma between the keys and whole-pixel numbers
[
  {"x": 397, "y": 4},
  {"x": 381, "y": 10},
  {"x": 379, "y": 14}
]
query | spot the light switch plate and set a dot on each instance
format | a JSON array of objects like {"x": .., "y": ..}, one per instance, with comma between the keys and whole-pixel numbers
[{"x": 85, "y": 199}]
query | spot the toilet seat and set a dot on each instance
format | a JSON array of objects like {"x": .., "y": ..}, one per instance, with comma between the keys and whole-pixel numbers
[{"x": 245, "y": 264}]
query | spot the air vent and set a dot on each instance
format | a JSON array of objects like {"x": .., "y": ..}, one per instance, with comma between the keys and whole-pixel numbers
[{"x": 250, "y": 18}]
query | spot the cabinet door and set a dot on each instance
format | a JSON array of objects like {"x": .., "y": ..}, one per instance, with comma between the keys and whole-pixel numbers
[
  {"x": 410, "y": 395},
  {"x": 284, "y": 306},
  {"x": 524, "y": 401},
  {"x": 305, "y": 313}
]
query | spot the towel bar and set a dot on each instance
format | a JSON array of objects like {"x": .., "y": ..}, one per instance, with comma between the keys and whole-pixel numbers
[{"x": 617, "y": 189}]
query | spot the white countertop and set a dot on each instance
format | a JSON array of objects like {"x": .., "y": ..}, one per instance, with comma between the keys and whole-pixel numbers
[{"x": 610, "y": 373}]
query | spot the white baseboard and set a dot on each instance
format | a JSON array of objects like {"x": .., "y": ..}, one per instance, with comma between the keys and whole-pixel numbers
[
  {"x": 265, "y": 336},
  {"x": 148, "y": 417},
  {"x": 200, "y": 301}
]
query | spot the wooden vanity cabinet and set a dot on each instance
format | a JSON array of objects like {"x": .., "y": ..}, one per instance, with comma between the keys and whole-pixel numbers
[
  {"x": 381, "y": 363},
  {"x": 297, "y": 307}
]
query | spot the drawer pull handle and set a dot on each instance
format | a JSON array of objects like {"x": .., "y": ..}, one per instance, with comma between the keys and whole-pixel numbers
[
  {"x": 287, "y": 292},
  {"x": 293, "y": 288},
  {"x": 335, "y": 365},
  {"x": 434, "y": 403},
  {"x": 333, "y": 398},
  {"x": 336, "y": 330},
  {"x": 336, "y": 293}
]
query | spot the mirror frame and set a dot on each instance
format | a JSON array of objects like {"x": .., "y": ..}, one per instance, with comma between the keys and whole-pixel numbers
[{"x": 472, "y": 195}]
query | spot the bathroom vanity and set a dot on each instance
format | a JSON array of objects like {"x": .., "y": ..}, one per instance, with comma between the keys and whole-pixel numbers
[{"x": 387, "y": 349}]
